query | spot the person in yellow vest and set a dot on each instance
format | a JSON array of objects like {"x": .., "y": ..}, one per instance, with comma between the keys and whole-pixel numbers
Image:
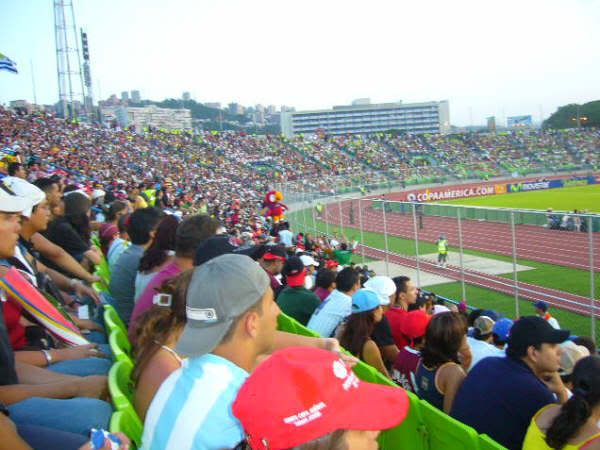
[
  {"x": 541, "y": 309},
  {"x": 442, "y": 244}
]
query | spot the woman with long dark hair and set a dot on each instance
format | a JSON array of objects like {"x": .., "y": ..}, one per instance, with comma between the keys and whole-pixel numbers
[
  {"x": 72, "y": 231},
  {"x": 160, "y": 252},
  {"x": 439, "y": 373},
  {"x": 355, "y": 333},
  {"x": 573, "y": 425}
]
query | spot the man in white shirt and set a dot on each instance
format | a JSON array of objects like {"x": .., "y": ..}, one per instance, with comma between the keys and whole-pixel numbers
[
  {"x": 481, "y": 342},
  {"x": 337, "y": 306}
]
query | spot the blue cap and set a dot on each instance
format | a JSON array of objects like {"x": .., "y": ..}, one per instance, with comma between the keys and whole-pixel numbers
[
  {"x": 541, "y": 305},
  {"x": 502, "y": 328},
  {"x": 494, "y": 315},
  {"x": 364, "y": 300}
]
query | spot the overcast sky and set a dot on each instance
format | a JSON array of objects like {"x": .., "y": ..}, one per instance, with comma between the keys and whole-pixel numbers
[{"x": 487, "y": 58}]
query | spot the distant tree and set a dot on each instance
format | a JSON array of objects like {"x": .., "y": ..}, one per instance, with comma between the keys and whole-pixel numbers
[{"x": 566, "y": 116}]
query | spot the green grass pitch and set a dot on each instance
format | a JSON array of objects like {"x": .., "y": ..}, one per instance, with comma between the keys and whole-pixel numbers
[{"x": 560, "y": 199}]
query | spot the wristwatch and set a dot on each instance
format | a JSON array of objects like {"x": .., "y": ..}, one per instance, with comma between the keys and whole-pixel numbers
[{"x": 48, "y": 357}]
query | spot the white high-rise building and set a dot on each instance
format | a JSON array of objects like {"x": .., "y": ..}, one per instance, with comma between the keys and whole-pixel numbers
[{"x": 363, "y": 117}]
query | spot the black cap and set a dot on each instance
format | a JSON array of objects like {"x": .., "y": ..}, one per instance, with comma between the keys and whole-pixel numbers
[
  {"x": 275, "y": 252},
  {"x": 533, "y": 330},
  {"x": 293, "y": 266},
  {"x": 220, "y": 245}
]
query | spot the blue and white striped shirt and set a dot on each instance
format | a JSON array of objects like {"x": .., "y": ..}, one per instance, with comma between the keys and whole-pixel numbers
[
  {"x": 192, "y": 408},
  {"x": 334, "y": 309}
]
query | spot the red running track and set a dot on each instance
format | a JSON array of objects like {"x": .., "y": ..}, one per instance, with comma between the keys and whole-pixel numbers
[{"x": 533, "y": 242}]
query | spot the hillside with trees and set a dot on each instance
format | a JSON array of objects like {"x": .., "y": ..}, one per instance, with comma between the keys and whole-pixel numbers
[{"x": 568, "y": 116}]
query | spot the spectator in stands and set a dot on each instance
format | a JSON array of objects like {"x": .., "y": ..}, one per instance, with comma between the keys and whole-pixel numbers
[
  {"x": 156, "y": 332},
  {"x": 406, "y": 294},
  {"x": 541, "y": 309},
  {"x": 231, "y": 320},
  {"x": 311, "y": 266},
  {"x": 48, "y": 250},
  {"x": 324, "y": 283},
  {"x": 481, "y": 341},
  {"x": 413, "y": 327},
  {"x": 337, "y": 306},
  {"x": 51, "y": 186},
  {"x": 33, "y": 395},
  {"x": 385, "y": 288},
  {"x": 16, "y": 169},
  {"x": 157, "y": 255},
  {"x": 355, "y": 410},
  {"x": 355, "y": 333},
  {"x": 571, "y": 353},
  {"x": 342, "y": 254},
  {"x": 440, "y": 373},
  {"x": 574, "y": 424},
  {"x": 273, "y": 261},
  {"x": 514, "y": 387},
  {"x": 72, "y": 231},
  {"x": 189, "y": 235},
  {"x": 295, "y": 300},
  {"x": 285, "y": 235},
  {"x": 141, "y": 230},
  {"x": 587, "y": 342},
  {"x": 116, "y": 209},
  {"x": 501, "y": 332}
]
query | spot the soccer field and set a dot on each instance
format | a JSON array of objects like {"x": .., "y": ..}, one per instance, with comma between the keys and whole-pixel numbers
[{"x": 560, "y": 199}]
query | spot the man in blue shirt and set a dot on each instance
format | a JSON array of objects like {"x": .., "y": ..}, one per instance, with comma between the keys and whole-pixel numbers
[
  {"x": 337, "y": 306},
  {"x": 501, "y": 395},
  {"x": 141, "y": 229}
]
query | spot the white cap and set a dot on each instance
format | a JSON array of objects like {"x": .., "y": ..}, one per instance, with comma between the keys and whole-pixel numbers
[
  {"x": 308, "y": 260},
  {"x": 383, "y": 286},
  {"x": 28, "y": 194},
  {"x": 438, "y": 309}
]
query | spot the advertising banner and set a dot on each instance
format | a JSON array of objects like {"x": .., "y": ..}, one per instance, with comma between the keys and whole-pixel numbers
[{"x": 436, "y": 194}]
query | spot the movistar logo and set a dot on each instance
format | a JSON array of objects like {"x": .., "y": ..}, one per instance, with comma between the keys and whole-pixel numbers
[{"x": 516, "y": 187}]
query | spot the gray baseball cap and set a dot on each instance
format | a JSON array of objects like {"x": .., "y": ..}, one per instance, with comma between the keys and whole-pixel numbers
[{"x": 220, "y": 290}]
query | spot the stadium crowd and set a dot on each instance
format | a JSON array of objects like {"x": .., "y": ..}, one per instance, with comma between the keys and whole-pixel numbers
[{"x": 199, "y": 277}]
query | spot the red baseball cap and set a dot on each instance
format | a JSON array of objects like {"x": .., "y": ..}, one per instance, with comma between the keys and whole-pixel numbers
[
  {"x": 316, "y": 394},
  {"x": 414, "y": 323}
]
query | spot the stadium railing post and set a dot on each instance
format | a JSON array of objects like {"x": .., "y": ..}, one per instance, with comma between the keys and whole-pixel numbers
[
  {"x": 341, "y": 216},
  {"x": 460, "y": 255},
  {"x": 360, "y": 226},
  {"x": 313, "y": 213},
  {"x": 303, "y": 203},
  {"x": 385, "y": 239},
  {"x": 592, "y": 280},
  {"x": 414, "y": 214},
  {"x": 514, "y": 254}
]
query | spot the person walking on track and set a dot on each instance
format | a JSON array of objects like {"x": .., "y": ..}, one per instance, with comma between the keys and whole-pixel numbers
[{"x": 442, "y": 244}]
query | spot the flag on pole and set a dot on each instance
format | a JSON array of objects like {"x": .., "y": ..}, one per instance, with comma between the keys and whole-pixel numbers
[{"x": 7, "y": 64}]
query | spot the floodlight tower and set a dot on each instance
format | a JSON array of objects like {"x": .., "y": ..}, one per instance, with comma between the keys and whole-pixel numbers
[
  {"x": 68, "y": 63},
  {"x": 87, "y": 75}
]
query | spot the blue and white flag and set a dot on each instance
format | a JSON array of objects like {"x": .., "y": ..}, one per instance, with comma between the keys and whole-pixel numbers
[{"x": 7, "y": 64}]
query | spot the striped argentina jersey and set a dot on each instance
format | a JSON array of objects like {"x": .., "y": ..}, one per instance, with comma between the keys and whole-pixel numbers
[{"x": 192, "y": 408}]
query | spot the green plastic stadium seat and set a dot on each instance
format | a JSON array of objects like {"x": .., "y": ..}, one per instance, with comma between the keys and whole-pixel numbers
[
  {"x": 112, "y": 319},
  {"x": 120, "y": 385},
  {"x": 445, "y": 432},
  {"x": 120, "y": 346},
  {"x": 129, "y": 424},
  {"x": 487, "y": 443}
]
